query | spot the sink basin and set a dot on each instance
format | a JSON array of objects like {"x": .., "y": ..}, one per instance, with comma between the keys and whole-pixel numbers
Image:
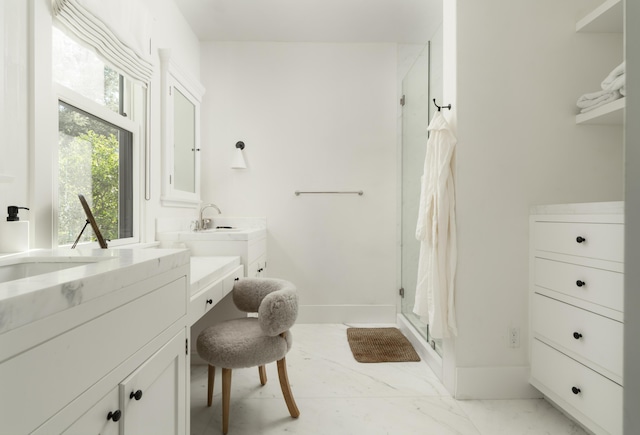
[
  {"x": 32, "y": 266},
  {"x": 221, "y": 230}
]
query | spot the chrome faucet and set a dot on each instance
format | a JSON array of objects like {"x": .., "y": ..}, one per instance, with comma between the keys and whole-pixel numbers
[{"x": 203, "y": 224}]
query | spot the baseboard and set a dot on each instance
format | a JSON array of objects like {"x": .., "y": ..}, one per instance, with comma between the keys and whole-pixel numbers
[
  {"x": 494, "y": 383},
  {"x": 346, "y": 314}
]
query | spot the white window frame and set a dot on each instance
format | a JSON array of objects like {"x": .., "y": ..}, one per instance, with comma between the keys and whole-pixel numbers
[{"x": 73, "y": 98}]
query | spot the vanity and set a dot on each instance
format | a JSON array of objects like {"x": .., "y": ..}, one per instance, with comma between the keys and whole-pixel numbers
[
  {"x": 229, "y": 236},
  {"x": 97, "y": 341},
  {"x": 94, "y": 341}
]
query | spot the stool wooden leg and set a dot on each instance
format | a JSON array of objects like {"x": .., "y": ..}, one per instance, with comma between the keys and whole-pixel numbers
[
  {"x": 286, "y": 389},
  {"x": 226, "y": 396},
  {"x": 263, "y": 375},
  {"x": 211, "y": 378}
]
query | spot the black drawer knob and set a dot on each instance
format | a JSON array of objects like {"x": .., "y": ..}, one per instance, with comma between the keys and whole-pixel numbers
[
  {"x": 210, "y": 301},
  {"x": 580, "y": 283},
  {"x": 236, "y": 279},
  {"x": 577, "y": 335},
  {"x": 137, "y": 395},
  {"x": 575, "y": 390},
  {"x": 580, "y": 239},
  {"x": 260, "y": 270},
  {"x": 115, "y": 415}
]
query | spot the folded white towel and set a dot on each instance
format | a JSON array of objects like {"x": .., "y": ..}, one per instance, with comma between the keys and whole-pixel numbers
[
  {"x": 615, "y": 79},
  {"x": 593, "y": 98},
  {"x": 596, "y": 99},
  {"x": 623, "y": 90}
]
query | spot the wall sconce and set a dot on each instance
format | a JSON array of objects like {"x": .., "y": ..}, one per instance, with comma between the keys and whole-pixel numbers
[{"x": 238, "y": 159}]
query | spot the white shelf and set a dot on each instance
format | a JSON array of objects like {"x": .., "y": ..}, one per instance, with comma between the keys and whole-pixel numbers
[
  {"x": 606, "y": 18},
  {"x": 6, "y": 178},
  {"x": 609, "y": 114}
]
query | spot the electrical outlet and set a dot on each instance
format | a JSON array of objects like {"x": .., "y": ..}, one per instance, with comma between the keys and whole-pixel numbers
[{"x": 514, "y": 337}]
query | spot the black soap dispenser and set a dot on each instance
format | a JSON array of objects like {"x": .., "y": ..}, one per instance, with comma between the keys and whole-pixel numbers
[{"x": 12, "y": 212}]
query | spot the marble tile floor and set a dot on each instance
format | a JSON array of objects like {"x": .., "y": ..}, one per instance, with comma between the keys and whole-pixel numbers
[{"x": 337, "y": 395}]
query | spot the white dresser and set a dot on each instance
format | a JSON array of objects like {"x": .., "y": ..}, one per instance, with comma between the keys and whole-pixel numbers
[{"x": 576, "y": 276}]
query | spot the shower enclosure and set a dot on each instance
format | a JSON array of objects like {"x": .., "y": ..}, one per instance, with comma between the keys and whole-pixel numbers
[{"x": 421, "y": 84}]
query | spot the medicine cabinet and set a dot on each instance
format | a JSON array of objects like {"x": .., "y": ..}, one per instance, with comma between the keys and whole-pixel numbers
[{"x": 181, "y": 97}]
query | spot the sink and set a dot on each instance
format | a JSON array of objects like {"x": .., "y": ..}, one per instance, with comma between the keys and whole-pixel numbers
[
  {"x": 32, "y": 266},
  {"x": 221, "y": 230}
]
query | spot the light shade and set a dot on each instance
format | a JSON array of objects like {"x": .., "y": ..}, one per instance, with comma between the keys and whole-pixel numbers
[{"x": 238, "y": 159}]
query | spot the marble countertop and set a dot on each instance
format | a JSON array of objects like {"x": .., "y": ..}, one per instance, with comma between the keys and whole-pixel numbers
[
  {"x": 213, "y": 234},
  {"x": 100, "y": 271},
  {"x": 205, "y": 270}
]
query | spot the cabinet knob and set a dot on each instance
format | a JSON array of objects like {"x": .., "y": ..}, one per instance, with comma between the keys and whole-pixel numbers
[
  {"x": 210, "y": 301},
  {"x": 580, "y": 239},
  {"x": 580, "y": 283},
  {"x": 577, "y": 335},
  {"x": 115, "y": 415},
  {"x": 575, "y": 390},
  {"x": 236, "y": 279},
  {"x": 137, "y": 395},
  {"x": 260, "y": 270}
]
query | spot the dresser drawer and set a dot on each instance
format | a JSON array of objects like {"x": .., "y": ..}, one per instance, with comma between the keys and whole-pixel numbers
[
  {"x": 597, "y": 397},
  {"x": 599, "y": 339},
  {"x": 593, "y": 240},
  {"x": 229, "y": 281},
  {"x": 598, "y": 286},
  {"x": 204, "y": 300}
]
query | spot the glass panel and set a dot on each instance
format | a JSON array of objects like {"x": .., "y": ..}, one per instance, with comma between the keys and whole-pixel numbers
[
  {"x": 95, "y": 159},
  {"x": 184, "y": 142},
  {"x": 80, "y": 69},
  {"x": 415, "y": 120}
]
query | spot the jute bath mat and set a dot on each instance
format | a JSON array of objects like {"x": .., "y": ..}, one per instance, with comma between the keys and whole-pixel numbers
[{"x": 374, "y": 345}]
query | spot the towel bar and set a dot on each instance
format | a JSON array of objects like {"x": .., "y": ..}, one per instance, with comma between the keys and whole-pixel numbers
[{"x": 354, "y": 192}]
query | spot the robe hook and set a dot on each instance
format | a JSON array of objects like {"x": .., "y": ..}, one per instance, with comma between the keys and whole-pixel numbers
[{"x": 441, "y": 107}]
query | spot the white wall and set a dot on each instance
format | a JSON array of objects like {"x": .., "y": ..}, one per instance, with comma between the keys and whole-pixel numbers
[
  {"x": 313, "y": 117},
  {"x": 13, "y": 105},
  {"x": 170, "y": 30},
  {"x": 520, "y": 68}
]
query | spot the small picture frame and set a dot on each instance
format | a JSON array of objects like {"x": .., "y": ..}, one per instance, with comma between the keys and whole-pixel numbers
[{"x": 92, "y": 221}]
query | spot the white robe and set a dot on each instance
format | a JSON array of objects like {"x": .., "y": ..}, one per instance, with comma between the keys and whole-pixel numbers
[{"x": 436, "y": 229}]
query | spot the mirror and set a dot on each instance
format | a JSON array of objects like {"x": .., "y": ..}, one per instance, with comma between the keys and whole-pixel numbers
[
  {"x": 184, "y": 142},
  {"x": 181, "y": 135}
]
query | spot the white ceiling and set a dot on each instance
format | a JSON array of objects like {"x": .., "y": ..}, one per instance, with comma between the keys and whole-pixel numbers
[{"x": 401, "y": 21}]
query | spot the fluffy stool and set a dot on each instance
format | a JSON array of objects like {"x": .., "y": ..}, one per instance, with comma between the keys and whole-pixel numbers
[{"x": 250, "y": 341}]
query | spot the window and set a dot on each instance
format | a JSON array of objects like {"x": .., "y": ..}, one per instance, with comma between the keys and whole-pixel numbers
[
  {"x": 80, "y": 70},
  {"x": 96, "y": 146},
  {"x": 94, "y": 158}
]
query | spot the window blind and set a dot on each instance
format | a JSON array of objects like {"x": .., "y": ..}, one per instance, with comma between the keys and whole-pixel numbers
[{"x": 118, "y": 30}]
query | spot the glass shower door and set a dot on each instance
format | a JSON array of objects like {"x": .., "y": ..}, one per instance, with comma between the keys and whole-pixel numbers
[{"x": 415, "y": 120}]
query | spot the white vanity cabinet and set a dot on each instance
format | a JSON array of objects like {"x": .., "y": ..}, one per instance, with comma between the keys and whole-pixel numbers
[
  {"x": 576, "y": 310},
  {"x": 73, "y": 372},
  {"x": 252, "y": 252},
  {"x": 151, "y": 396},
  {"x": 150, "y": 400},
  {"x": 250, "y": 244}
]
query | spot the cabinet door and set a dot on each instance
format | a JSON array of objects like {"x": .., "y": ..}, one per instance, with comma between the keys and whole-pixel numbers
[
  {"x": 153, "y": 397},
  {"x": 102, "y": 418},
  {"x": 257, "y": 269}
]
